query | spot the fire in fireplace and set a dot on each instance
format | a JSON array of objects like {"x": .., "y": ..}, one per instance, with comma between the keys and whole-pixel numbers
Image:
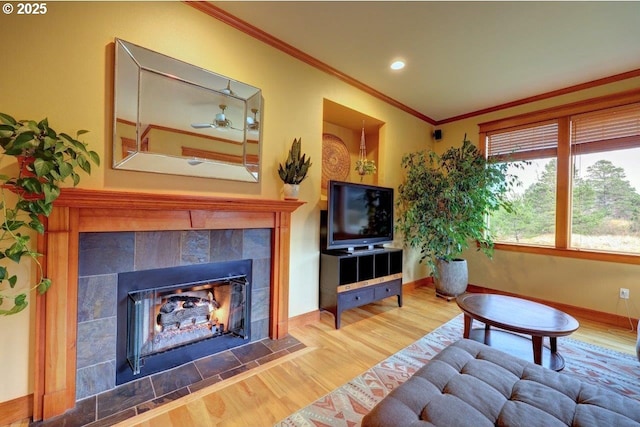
[{"x": 175, "y": 315}]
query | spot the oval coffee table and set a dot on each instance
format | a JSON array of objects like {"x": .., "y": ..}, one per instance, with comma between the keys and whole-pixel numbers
[{"x": 515, "y": 317}]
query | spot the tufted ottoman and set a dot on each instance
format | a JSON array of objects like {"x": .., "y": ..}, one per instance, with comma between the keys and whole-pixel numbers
[{"x": 471, "y": 384}]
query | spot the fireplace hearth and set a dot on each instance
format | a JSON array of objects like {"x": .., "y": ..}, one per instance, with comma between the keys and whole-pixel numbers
[{"x": 170, "y": 316}]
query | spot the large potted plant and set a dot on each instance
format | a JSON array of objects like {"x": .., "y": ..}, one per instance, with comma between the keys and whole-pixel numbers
[
  {"x": 294, "y": 170},
  {"x": 443, "y": 205},
  {"x": 45, "y": 159}
]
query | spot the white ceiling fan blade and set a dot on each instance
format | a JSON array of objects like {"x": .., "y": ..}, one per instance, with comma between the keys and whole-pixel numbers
[{"x": 203, "y": 125}]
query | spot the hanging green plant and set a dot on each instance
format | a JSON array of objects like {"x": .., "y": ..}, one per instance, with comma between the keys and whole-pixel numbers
[
  {"x": 365, "y": 167},
  {"x": 45, "y": 159}
]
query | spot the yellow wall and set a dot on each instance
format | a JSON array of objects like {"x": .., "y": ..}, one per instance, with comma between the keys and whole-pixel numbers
[
  {"x": 59, "y": 66},
  {"x": 589, "y": 284}
]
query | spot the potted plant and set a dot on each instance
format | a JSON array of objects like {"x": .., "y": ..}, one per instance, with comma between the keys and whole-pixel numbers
[
  {"x": 294, "y": 170},
  {"x": 443, "y": 204},
  {"x": 45, "y": 159}
]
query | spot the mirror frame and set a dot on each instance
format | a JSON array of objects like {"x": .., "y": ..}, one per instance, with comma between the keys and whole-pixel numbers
[{"x": 172, "y": 117}]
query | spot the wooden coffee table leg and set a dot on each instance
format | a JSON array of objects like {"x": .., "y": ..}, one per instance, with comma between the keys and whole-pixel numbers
[
  {"x": 537, "y": 349},
  {"x": 467, "y": 325},
  {"x": 553, "y": 344}
]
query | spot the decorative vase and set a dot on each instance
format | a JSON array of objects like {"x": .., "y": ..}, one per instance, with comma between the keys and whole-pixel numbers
[
  {"x": 291, "y": 191},
  {"x": 23, "y": 163},
  {"x": 453, "y": 277}
]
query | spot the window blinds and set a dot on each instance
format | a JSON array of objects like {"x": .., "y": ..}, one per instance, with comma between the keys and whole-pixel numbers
[
  {"x": 537, "y": 141},
  {"x": 606, "y": 130},
  {"x": 597, "y": 131}
]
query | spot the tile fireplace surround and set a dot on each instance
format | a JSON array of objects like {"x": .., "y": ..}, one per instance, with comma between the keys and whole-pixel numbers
[{"x": 95, "y": 211}]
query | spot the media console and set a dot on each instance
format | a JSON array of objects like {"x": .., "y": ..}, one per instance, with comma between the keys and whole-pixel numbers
[{"x": 349, "y": 280}]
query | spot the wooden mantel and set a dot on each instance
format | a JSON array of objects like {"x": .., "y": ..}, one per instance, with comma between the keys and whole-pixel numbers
[{"x": 80, "y": 210}]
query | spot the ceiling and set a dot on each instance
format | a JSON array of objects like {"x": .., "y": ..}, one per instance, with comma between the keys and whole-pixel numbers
[{"x": 461, "y": 57}]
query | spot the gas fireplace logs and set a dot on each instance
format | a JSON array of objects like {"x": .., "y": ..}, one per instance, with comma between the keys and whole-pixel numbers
[{"x": 184, "y": 310}]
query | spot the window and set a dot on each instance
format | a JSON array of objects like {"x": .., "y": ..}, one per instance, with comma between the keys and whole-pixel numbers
[
  {"x": 534, "y": 218},
  {"x": 605, "y": 202},
  {"x": 580, "y": 187}
]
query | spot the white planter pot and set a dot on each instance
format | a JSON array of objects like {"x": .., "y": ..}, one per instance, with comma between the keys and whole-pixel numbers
[
  {"x": 452, "y": 279},
  {"x": 291, "y": 191}
]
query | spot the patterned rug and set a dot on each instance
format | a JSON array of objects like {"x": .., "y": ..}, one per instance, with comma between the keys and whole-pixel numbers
[{"x": 346, "y": 405}]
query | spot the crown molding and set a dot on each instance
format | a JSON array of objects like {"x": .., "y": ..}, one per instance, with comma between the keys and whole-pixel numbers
[
  {"x": 547, "y": 95},
  {"x": 255, "y": 32}
]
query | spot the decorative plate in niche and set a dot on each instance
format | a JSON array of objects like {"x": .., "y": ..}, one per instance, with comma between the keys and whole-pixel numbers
[{"x": 335, "y": 159}]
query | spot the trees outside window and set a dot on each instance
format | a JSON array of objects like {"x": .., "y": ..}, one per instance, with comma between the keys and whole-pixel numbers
[
  {"x": 606, "y": 203},
  {"x": 533, "y": 219}
]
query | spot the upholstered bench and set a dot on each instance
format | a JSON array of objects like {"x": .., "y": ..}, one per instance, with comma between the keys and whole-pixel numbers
[{"x": 471, "y": 384}]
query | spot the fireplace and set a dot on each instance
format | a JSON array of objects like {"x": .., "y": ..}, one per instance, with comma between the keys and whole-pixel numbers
[
  {"x": 127, "y": 278},
  {"x": 169, "y": 316},
  {"x": 78, "y": 211}
]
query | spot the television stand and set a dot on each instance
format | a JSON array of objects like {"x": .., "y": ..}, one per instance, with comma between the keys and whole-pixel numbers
[{"x": 353, "y": 279}]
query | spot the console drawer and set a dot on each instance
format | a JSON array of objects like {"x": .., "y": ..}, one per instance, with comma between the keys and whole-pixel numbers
[
  {"x": 356, "y": 298},
  {"x": 388, "y": 289}
]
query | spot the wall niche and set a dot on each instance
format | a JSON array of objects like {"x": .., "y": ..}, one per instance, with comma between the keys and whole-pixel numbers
[{"x": 342, "y": 133}]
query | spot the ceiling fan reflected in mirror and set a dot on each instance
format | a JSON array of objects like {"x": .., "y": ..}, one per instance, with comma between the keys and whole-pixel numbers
[
  {"x": 220, "y": 122},
  {"x": 252, "y": 122},
  {"x": 227, "y": 90}
]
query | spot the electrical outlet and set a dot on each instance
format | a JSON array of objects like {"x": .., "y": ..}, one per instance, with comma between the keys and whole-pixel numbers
[{"x": 624, "y": 293}]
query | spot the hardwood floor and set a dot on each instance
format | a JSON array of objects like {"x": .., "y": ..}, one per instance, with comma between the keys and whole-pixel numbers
[{"x": 265, "y": 395}]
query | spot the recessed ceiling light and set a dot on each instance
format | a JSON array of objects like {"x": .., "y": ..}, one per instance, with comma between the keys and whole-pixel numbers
[{"x": 397, "y": 65}]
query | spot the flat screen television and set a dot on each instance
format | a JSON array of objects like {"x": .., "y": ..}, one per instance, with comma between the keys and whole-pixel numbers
[{"x": 358, "y": 216}]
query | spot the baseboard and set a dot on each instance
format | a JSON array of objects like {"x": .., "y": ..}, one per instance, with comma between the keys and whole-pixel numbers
[
  {"x": 304, "y": 319},
  {"x": 585, "y": 313},
  {"x": 427, "y": 281},
  {"x": 16, "y": 409}
]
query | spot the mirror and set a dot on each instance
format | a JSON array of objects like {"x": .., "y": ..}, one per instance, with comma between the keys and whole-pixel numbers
[{"x": 175, "y": 118}]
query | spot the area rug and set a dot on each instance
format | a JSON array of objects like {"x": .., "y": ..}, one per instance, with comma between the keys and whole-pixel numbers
[{"x": 346, "y": 405}]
